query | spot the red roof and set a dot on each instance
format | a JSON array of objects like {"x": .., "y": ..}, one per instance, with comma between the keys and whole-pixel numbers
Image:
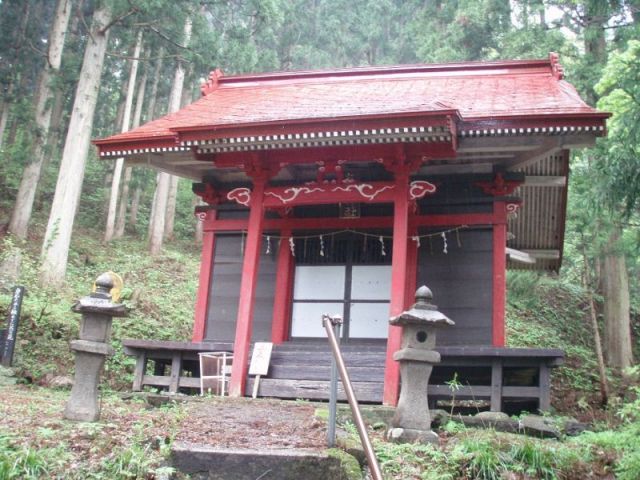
[{"x": 471, "y": 93}]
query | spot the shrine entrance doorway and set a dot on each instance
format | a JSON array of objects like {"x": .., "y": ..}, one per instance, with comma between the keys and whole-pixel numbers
[{"x": 346, "y": 273}]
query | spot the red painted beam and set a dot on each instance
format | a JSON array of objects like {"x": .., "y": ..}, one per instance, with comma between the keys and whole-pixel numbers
[
  {"x": 398, "y": 286},
  {"x": 436, "y": 220},
  {"x": 321, "y": 194},
  {"x": 282, "y": 298},
  {"x": 235, "y": 225},
  {"x": 250, "y": 264},
  {"x": 499, "y": 273},
  {"x": 204, "y": 287},
  {"x": 453, "y": 219},
  {"x": 327, "y": 193}
]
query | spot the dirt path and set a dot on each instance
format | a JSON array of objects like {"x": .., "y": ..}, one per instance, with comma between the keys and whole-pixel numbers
[{"x": 245, "y": 423}]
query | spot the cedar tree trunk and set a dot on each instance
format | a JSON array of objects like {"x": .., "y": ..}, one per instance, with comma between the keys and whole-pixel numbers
[
  {"x": 121, "y": 219},
  {"x": 55, "y": 248},
  {"x": 126, "y": 120},
  {"x": 43, "y": 113},
  {"x": 157, "y": 221},
  {"x": 617, "y": 321}
]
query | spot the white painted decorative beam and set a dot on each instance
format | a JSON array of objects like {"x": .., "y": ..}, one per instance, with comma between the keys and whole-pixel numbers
[
  {"x": 157, "y": 162},
  {"x": 545, "y": 181},
  {"x": 556, "y": 130},
  {"x": 542, "y": 254},
  {"x": 519, "y": 256},
  {"x": 500, "y": 144}
]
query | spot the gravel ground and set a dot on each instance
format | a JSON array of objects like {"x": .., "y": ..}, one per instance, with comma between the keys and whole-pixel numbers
[{"x": 246, "y": 423}]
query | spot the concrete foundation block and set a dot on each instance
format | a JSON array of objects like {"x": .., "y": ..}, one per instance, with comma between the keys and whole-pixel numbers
[{"x": 211, "y": 463}]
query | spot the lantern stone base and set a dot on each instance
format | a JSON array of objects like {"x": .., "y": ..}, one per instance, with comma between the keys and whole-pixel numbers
[
  {"x": 410, "y": 435},
  {"x": 83, "y": 404}
]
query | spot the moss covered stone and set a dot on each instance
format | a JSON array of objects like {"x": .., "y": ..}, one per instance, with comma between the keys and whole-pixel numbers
[{"x": 349, "y": 464}]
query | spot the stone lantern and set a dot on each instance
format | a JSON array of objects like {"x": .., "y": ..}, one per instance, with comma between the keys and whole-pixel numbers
[
  {"x": 92, "y": 348},
  {"x": 412, "y": 421}
]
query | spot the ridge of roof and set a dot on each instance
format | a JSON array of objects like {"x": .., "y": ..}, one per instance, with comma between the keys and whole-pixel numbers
[{"x": 218, "y": 79}]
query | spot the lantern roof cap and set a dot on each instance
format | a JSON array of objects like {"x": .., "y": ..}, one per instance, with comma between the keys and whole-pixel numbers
[{"x": 422, "y": 312}]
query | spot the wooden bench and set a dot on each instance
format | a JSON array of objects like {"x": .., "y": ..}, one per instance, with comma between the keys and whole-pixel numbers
[
  {"x": 497, "y": 375},
  {"x": 182, "y": 357}
]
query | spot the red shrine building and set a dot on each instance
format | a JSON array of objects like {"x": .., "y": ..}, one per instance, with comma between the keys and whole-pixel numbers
[{"x": 342, "y": 191}]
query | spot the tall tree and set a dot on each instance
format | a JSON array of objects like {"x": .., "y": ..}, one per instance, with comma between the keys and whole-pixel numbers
[
  {"x": 615, "y": 290},
  {"x": 618, "y": 174},
  {"x": 589, "y": 20},
  {"x": 614, "y": 278},
  {"x": 155, "y": 79},
  {"x": 43, "y": 113},
  {"x": 55, "y": 248},
  {"x": 175, "y": 180},
  {"x": 157, "y": 221},
  {"x": 126, "y": 119},
  {"x": 170, "y": 213},
  {"x": 460, "y": 30},
  {"x": 121, "y": 219},
  {"x": 619, "y": 169},
  {"x": 10, "y": 67}
]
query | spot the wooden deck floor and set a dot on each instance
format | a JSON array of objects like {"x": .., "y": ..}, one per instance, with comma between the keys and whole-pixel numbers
[
  {"x": 502, "y": 377},
  {"x": 303, "y": 369}
]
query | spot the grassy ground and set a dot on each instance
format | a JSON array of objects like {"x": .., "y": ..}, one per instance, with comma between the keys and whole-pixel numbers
[
  {"x": 132, "y": 441},
  {"x": 129, "y": 442}
]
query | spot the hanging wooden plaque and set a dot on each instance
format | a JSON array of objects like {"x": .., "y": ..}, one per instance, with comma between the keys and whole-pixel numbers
[{"x": 349, "y": 210}]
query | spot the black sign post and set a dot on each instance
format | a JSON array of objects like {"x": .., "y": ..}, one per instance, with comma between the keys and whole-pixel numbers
[{"x": 12, "y": 327}]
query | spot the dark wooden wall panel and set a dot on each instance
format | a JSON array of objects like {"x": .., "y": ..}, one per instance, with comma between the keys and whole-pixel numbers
[
  {"x": 462, "y": 284},
  {"x": 225, "y": 290}
]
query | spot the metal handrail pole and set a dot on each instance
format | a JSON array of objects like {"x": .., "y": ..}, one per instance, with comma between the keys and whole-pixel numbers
[
  {"x": 333, "y": 391},
  {"x": 372, "y": 461}
]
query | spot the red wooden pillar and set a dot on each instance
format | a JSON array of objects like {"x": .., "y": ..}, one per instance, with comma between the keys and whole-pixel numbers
[
  {"x": 206, "y": 273},
  {"x": 282, "y": 299},
  {"x": 250, "y": 264},
  {"x": 499, "y": 272},
  {"x": 412, "y": 268},
  {"x": 399, "y": 272}
]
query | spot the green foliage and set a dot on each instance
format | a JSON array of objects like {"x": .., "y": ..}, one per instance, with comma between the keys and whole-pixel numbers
[
  {"x": 413, "y": 461},
  {"x": 130, "y": 442},
  {"x": 490, "y": 455},
  {"x": 535, "y": 461},
  {"x": 483, "y": 459},
  {"x": 453, "y": 428},
  {"x": 13, "y": 158},
  {"x": 161, "y": 293},
  {"x": 133, "y": 462},
  {"x": 622, "y": 440},
  {"x": 484, "y": 455},
  {"x": 22, "y": 462},
  {"x": 628, "y": 468},
  {"x": 619, "y": 166},
  {"x": 546, "y": 312}
]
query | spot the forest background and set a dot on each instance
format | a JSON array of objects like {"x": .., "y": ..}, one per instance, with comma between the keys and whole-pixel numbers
[{"x": 72, "y": 70}]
